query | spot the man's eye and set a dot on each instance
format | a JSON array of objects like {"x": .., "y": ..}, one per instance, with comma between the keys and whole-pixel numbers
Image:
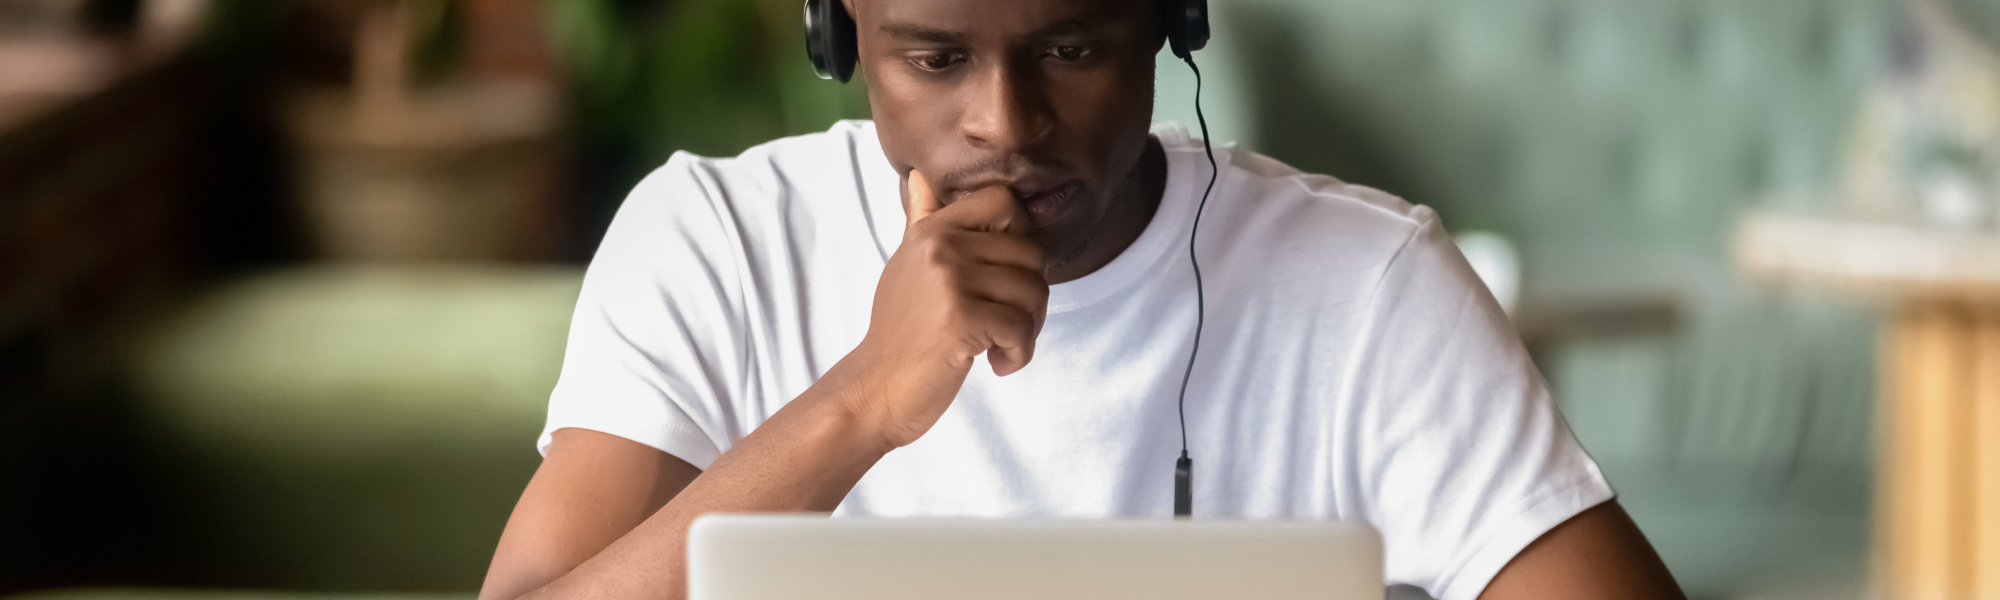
[
  {"x": 936, "y": 62},
  {"x": 1069, "y": 53}
]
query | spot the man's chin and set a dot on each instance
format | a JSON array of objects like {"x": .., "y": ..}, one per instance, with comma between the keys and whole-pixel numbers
[{"x": 1061, "y": 248}]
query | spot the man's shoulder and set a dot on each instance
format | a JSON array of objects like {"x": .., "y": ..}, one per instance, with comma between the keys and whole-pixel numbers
[
  {"x": 846, "y": 141},
  {"x": 841, "y": 152},
  {"x": 784, "y": 191},
  {"x": 1279, "y": 186},
  {"x": 1266, "y": 207}
]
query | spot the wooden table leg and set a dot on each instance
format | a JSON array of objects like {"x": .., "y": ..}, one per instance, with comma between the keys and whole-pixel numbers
[
  {"x": 1938, "y": 502},
  {"x": 1986, "y": 455}
]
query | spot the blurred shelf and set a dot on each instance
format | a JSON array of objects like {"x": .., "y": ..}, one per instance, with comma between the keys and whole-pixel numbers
[
  {"x": 1899, "y": 261},
  {"x": 43, "y": 75},
  {"x": 52, "y": 60}
]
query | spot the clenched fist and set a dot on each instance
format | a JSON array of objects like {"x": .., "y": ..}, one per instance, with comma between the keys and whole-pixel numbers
[{"x": 965, "y": 281}]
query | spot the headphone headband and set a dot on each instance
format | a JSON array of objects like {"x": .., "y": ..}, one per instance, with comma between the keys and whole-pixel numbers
[{"x": 830, "y": 34}]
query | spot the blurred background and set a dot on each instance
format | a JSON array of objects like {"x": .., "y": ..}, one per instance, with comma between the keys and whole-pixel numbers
[{"x": 284, "y": 284}]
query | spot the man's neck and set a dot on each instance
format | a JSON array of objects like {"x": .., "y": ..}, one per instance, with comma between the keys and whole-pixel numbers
[{"x": 1136, "y": 200}]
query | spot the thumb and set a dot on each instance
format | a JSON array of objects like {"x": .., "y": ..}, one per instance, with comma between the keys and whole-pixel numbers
[{"x": 921, "y": 200}]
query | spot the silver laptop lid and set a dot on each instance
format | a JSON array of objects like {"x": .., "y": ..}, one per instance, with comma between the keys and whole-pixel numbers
[{"x": 772, "y": 557}]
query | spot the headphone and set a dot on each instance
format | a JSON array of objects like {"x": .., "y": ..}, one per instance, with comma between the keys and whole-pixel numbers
[
  {"x": 830, "y": 34},
  {"x": 830, "y": 43}
]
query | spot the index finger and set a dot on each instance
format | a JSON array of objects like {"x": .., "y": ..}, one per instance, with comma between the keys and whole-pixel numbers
[{"x": 920, "y": 200}]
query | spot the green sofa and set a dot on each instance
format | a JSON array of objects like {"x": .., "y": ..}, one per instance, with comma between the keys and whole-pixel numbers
[{"x": 351, "y": 428}]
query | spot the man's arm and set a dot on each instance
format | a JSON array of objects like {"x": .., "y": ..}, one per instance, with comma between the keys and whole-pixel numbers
[
  {"x": 608, "y": 519},
  {"x": 1599, "y": 553},
  {"x": 591, "y": 489},
  {"x": 574, "y": 534}
]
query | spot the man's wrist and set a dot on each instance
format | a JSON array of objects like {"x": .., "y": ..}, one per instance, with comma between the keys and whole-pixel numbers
[{"x": 855, "y": 407}]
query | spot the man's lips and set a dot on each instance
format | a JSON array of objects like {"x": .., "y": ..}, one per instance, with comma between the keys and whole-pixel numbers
[{"x": 1048, "y": 205}]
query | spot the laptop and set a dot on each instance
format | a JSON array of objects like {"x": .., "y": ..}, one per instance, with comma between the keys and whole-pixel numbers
[{"x": 812, "y": 556}]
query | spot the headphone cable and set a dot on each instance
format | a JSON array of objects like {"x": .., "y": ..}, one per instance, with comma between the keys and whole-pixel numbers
[{"x": 1183, "y": 467}]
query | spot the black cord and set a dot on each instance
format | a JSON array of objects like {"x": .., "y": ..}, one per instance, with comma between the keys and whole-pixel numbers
[{"x": 1182, "y": 467}]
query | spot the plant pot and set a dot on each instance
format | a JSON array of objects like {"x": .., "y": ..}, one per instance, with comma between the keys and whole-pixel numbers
[{"x": 457, "y": 173}]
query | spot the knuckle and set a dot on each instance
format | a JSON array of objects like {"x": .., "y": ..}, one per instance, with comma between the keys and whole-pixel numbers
[
  {"x": 983, "y": 312},
  {"x": 965, "y": 308},
  {"x": 956, "y": 279},
  {"x": 936, "y": 250}
]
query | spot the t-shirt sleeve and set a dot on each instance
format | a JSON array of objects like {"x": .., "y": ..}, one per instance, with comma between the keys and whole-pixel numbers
[
  {"x": 1464, "y": 458},
  {"x": 657, "y": 324}
]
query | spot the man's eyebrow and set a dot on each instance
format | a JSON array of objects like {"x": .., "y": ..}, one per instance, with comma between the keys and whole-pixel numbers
[
  {"x": 934, "y": 35},
  {"x": 921, "y": 33},
  {"x": 1068, "y": 27}
]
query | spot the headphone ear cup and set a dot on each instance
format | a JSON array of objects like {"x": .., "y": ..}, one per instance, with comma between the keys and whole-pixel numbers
[
  {"x": 830, "y": 39},
  {"x": 1187, "y": 26}
]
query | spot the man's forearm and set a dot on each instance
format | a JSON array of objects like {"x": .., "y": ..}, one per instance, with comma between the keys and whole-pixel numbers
[{"x": 804, "y": 459}]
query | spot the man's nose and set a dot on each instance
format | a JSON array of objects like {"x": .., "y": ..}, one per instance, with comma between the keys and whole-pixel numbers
[{"x": 1005, "y": 111}]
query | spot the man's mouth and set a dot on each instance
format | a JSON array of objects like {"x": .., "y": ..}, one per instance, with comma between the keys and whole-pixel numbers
[{"x": 1048, "y": 205}]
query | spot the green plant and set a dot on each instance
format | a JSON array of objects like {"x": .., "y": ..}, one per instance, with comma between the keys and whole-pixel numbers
[{"x": 707, "y": 76}]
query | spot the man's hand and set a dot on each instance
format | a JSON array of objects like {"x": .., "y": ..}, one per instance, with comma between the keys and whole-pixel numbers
[{"x": 965, "y": 281}]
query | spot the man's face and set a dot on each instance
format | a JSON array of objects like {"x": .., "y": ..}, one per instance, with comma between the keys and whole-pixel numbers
[{"x": 1051, "y": 98}]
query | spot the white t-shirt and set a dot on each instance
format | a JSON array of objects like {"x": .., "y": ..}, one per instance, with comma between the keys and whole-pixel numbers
[{"x": 1352, "y": 366}]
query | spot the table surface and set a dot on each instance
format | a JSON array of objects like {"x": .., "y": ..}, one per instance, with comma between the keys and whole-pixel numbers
[{"x": 1888, "y": 259}]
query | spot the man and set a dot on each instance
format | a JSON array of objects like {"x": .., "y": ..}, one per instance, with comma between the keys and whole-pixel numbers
[{"x": 980, "y": 305}]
